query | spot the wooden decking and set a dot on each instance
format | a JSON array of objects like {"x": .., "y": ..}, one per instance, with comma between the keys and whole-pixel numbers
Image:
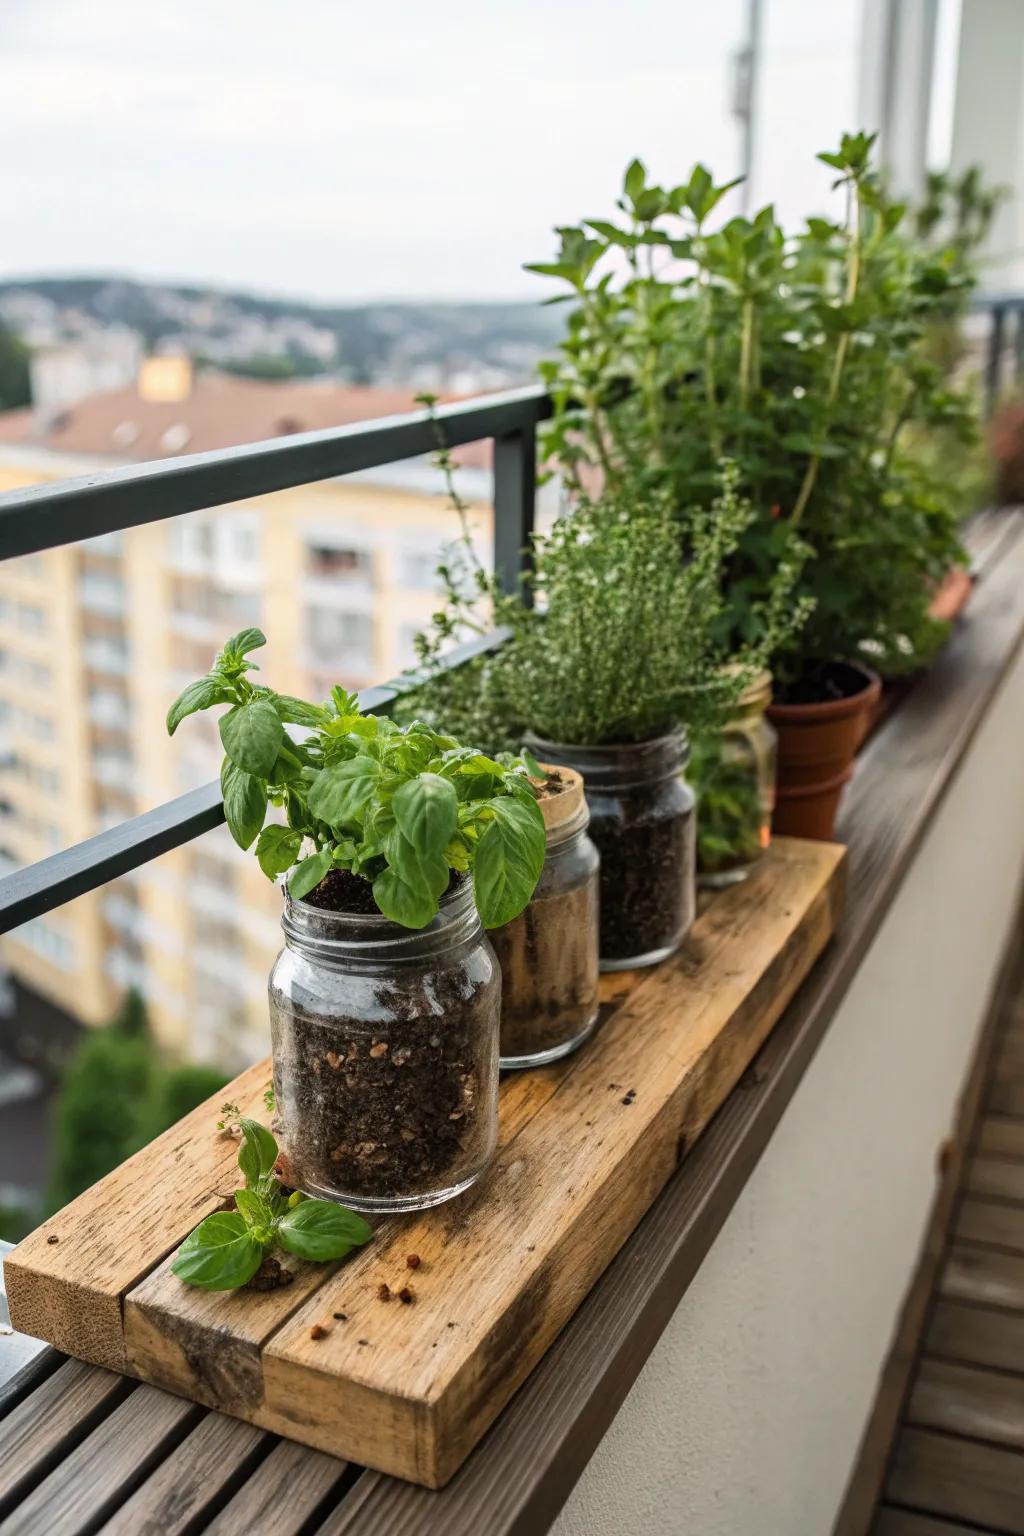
[{"x": 957, "y": 1465}]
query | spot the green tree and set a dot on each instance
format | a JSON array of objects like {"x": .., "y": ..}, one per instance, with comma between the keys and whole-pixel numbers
[
  {"x": 177, "y": 1090},
  {"x": 99, "y": 1112},
  {"x": 15, "y": 387},
  {"x": 117, "y": 1095}
]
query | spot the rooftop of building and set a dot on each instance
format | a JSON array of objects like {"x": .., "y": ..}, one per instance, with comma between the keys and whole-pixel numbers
[{"x": 171, "y": 410}]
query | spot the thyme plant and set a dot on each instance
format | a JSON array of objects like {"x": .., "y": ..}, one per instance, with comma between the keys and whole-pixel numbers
[{"x": 623, "y": 638}]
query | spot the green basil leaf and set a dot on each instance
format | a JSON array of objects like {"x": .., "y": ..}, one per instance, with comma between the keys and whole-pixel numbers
[
  {"x": 320, "y": 1230},
  {"x": 252, "y": 1208},
  {"x": 245, "y": 802},
  {"x": 220, "y": 1255},
  {"x": 258, "y": 1152},
  {"x": 340, "y": 793},
  {"x": 252, "y": 734},
  {"x": 277, "y": 849},
  {"x": 409, "y": 889},
  {"x": 246, "y": 640},
  {"x": 298, "y": 712},
  {"x": 508, "y": 860},
  {"x": 198, "y": 695},
  {"x": 426, "y": 811},
  {"x": 309, "y": 873}
]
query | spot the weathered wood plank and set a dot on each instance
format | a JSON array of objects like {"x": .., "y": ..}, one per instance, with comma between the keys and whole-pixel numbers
[
  {"x": 906, "y": 1522},
  {"x": 967, "y": 1400},
  {"x": 991, "y": 1222},
  {"x": 168, "y": 1327},
  {"x": 283, "y": 1495},
  {"x": 1006, "y": 1097},
  {"x": 577, "y": 1170},
  {"x": 958, "y": 1479},
  {"x": 561, "y": 1199},
  {"x": 106, "y": 1468},
  {"x": 996, "y": 1178},
  {"x": 1001, "y": 1138},
  {"x": 48, "y": 1424},
  {"x": 65, "y": 1281},
  {"x": 984, "y": 1276},
  {"x": 213, "y": 1458},
  {"x": 977, "y": 1336}
]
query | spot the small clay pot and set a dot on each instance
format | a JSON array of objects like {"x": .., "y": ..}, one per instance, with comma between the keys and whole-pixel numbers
[
  {"x": 951, "y": 595},
  {"x": 818, "y": 741}
]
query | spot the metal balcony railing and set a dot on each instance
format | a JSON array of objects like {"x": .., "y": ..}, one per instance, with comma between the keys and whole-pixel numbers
[
  {"x": 45, "y": 516},
  {"x": 101, "y": 504},
  {"x": 1004, "y": 344}
]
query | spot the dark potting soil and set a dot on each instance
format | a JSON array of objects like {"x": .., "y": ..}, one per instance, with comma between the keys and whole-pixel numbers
[
  {"x": 396, "y": 1110},
  {"x": 342, "y": 891},
  {"x": 548, "y": 970},
  {"x": 646, "y": 883},
  {"x": 824, "y": 683}
]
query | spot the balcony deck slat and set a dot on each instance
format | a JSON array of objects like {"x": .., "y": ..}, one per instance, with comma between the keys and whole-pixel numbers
[
  {"x": 105, "y": 1468},
  {"x": 48, "y": 1424},
  {"x": 207, "y": 1466},
  {"x": 283, "y": 1495}
]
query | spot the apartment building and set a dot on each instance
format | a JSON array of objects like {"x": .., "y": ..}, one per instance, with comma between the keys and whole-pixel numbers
[{"x": 97, "y": 638}]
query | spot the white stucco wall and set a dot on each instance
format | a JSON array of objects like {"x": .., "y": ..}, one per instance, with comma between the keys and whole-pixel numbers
[{"x": 746, "y": 1418}]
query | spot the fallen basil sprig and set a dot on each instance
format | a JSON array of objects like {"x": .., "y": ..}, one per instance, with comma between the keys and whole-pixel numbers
[{"x": 227, "y": 1249}]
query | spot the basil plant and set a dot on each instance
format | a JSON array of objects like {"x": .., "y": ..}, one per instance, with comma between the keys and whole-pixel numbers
[
  {"x": 401, "y": 806},
  {"x": 227, "y": 1249}
]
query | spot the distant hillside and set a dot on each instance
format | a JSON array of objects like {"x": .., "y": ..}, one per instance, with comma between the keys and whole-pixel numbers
[{"x": 416, "y": 343}]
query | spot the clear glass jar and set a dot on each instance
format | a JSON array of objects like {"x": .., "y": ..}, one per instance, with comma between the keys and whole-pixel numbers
[
  {"x": 642, "y": 822},
  {"x": 385, "y": 1044},
  {"x": 549, "y": 953},
  {"x": 734, "y": 775}
]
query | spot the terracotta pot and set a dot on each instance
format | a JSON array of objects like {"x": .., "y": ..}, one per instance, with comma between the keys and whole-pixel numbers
[
  {"x": 951, "y": 594},
  {"x": 817, "y": 745}
]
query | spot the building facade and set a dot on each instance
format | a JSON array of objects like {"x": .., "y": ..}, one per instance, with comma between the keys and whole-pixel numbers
[{"x": 97, "y": 638}]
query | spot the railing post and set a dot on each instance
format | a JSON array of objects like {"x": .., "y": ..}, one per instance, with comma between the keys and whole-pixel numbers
[
  {"x": 994, "y": 365},
  {"x": 515, "y": 499},
  {"x": 1018, "y": 344}
]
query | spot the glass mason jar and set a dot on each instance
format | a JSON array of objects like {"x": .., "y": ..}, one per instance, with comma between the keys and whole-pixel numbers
[
  {"x": 734, "y": 774},
  {"x": 548, "y": 954},
  {"x": 642, "y": 821},
  {"x": 385, "y": 1044}
]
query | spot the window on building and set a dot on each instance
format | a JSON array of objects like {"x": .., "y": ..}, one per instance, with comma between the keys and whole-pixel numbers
[
  {"x": 339, "y": 638},
  {"x": 339, "y": 561}
]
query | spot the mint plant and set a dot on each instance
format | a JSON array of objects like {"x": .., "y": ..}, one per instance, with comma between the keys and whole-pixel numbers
[
  {"x": 399, "y": 806},
  {"x": 805, "y": 357},
  {"x": 225, "y": 1251}
]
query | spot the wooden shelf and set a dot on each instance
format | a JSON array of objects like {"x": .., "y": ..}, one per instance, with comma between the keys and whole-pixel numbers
[{"x": 586, "y": 1146}]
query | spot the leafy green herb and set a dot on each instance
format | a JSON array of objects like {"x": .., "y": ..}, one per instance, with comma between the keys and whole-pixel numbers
[
  {"x": 624, "y": 639},
  {"x": 400, "y": 806},
  {"x": 225, "y": 1251},
  {"x": 812, "y": 359}
]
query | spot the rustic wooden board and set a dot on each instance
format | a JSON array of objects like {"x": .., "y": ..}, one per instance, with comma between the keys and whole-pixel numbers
[{"x": 585, "y": 1147}]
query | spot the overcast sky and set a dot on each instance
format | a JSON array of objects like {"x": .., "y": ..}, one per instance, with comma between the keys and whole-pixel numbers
[{"x": 340, "y": 151}]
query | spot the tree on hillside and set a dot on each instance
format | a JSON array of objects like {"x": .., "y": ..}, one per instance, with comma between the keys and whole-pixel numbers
[{"x": 15, "y": 386}]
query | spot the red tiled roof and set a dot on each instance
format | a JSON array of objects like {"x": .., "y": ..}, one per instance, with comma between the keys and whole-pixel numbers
[
  {"x": 222, "y": 411},
  {"x": 15, "y": 426}
]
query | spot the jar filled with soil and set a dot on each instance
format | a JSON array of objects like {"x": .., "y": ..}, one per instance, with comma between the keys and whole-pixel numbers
[
  {"x": 642, "y": 823},
  {"x": 733, "y": 772},
  {"x": 549, "y": 953},
  {"x": 385, "y": 1045}
]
